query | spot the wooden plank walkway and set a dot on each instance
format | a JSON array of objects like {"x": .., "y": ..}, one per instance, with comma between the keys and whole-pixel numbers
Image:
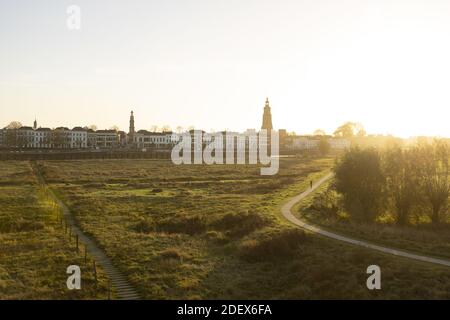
[{"x": 120, "y": 284}]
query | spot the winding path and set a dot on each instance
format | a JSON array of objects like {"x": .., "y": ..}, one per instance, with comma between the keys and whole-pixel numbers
[
  {"x": 286, "y": 211},
  {"x": 124, "y": 290}
]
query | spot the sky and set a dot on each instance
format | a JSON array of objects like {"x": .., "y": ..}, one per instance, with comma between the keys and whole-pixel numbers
[{"x": 211, "y": 64}]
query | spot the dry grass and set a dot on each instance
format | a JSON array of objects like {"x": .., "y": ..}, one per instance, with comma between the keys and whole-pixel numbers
[
  {"x": 34, "y": 253},
  {"x": 216, "y": 232}
]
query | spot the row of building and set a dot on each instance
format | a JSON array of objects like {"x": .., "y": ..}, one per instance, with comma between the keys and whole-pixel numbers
[
  {"x": 81, "y": 138},
  {"x": 85, "y": 138}
]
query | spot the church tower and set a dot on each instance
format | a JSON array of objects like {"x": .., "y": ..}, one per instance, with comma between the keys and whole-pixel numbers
[
  {"x": 35, "y": 124},
  {"x": 131, "y": 130},
  {"x": 267, "y": 117}
]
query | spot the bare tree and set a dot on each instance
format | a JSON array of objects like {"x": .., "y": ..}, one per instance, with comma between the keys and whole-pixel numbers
[
  {"x": 166, "y": 128},
  {"x": 350, "y": 130},
  {"x": 434, "y": 164},
  {"x": 319, "y": 132},
  {"x": 401, "y": 171},
  {"x": 14, "y": 125}
]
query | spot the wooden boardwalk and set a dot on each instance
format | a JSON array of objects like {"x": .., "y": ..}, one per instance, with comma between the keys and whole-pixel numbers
[{"x": 120, "y": 284}]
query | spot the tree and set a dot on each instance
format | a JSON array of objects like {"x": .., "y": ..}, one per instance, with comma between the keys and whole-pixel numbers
[
  {"x": 166, "y": 128},
  {"x": 324, "y": 146},
  {"x": 319, "y": 132},
  {"x": 434, "y": 166},
  {"x": 402, "y": 180},
  {"x": 11, "y": 138},
  {"x": 360, "y": 180},
  {"x": 92, "y": 127},
  {"x": 154, "y": 128},
  {"x": 179, "y": 129},
  {"x": 58, "y": 138},
  {"x": 14, "y": 125},
  {"x": 349, "y": 130},
  {"x": 115, "y": 128}
]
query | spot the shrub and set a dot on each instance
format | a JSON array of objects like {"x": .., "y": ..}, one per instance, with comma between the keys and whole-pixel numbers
[
  {"x": 144, "y": 226},
  {"x": 172, "y": 253},
  {"x": 189, "y": 225},
  {"x": 20, "y": 225},
  {"x": 240, "y": 224},
  {"x": 279, "y": 246}
]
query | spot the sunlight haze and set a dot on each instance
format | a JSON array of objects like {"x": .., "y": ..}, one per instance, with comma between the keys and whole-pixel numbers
[{"x": 211, "y": 64}]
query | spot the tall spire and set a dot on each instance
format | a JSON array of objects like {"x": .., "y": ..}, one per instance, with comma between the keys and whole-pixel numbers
[
  {"x": 267, "y": 117},
  {"x": 35, "y": 124},
  {"x": 131, "y": 131}
]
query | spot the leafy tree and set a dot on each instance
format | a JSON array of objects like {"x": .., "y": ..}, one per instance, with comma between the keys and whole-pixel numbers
[{"x": 360, "y": 180}]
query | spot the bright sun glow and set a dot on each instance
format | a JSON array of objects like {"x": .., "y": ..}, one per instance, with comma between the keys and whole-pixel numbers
[{"x": 384, "y": 64}]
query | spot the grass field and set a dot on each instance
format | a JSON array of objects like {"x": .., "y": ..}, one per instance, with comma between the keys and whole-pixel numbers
[
  {"x": 421, "y": 237},
  {"x": 216, "y": 232},
  {"x": 34, "y": 253}
]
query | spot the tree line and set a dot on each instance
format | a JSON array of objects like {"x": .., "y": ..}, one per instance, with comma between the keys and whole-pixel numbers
[{"x": 395, "y": 180}]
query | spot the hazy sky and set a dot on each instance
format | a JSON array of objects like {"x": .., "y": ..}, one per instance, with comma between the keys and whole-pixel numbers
[{"x": 211, "y": 64}]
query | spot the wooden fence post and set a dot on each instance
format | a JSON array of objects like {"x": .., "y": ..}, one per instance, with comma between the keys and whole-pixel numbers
[
  {"x": 95, "y": 272},
  {"x": 76, "y": 239}
]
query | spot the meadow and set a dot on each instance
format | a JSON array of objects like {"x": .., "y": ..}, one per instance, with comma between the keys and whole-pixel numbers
[
  {"x": 210, "y": 232},
  {"x": 34, "y": 252}
]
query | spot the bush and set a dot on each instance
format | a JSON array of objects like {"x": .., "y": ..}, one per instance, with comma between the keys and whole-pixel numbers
[
  {"x": 144, "y": 226},
  {"x": 191, "y": 225},
  {"x": 326, "y": 204},
  {"x": 240, "y": 224},
  {"x": 20, "y": 225},
  {"x": 275, "y": 247},
  {"x": 172, "y": 253}
]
